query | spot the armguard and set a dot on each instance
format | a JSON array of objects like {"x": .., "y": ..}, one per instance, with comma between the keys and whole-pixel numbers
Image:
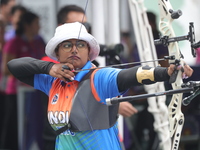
[{"x": 145, "y": 75}]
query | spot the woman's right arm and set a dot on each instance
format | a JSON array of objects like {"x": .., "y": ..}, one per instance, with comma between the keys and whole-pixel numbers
[{"x": 25, "y": 68}]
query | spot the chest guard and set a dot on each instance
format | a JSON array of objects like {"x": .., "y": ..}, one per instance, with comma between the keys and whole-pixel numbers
[{"x": 87, "y": 113}]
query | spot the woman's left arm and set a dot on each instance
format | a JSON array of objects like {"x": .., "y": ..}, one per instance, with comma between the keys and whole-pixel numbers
[{"x": 25, "y": 68}]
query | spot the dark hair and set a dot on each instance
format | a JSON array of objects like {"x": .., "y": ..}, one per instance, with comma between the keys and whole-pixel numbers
[
  {"x": 152, "y": 20},
  {"x": 4, "y": 2},
  {"x": 64, "y": 11},
  {"x": 18, "y": 7},
  {"x": 151, "y": 16},
  {"x": 25, "y": 19}
]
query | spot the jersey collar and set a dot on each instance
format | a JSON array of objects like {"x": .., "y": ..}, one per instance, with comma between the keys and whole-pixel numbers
[{"x": 81, "y": 74}]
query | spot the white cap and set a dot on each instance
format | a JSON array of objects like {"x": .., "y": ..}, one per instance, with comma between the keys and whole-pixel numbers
[{"x": 72, "y": 31}]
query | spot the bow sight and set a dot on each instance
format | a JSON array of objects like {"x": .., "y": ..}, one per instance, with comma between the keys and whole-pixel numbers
[{"x": 165, "y": 40}]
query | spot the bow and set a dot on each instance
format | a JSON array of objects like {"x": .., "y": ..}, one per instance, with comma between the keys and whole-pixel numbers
[{"x": 176, "y": 117}]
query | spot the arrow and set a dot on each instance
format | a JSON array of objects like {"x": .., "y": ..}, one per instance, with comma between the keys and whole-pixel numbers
[{"x": 120, "y": 65}]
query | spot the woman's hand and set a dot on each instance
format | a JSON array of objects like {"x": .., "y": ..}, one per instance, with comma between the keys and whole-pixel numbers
[
  {"x": 59, "y": 71},
  {"x": 126, "y": 109},
  {"x": 186, "y": 69}
]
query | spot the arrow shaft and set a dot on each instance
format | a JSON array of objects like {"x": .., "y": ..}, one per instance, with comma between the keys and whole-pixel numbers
[{"x": 125, "y": 64}]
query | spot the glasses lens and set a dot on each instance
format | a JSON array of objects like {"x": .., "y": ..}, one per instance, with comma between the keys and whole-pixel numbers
[
  {"x": 66, "y": 46},
  {"x": 81, "y": 45}
]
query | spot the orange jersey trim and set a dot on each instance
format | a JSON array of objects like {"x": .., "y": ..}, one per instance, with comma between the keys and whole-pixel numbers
[{"x": 94, "y": 92}]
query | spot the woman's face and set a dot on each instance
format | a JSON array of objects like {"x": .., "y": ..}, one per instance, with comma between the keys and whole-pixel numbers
[{"x": 73, "y": 51}]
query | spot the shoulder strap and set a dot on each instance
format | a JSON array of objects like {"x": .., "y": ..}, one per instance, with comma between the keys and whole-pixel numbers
[{"x": 87, "y": 76}]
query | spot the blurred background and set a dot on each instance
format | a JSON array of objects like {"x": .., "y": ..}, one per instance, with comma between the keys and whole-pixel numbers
[{"x": 47, "y": 9}]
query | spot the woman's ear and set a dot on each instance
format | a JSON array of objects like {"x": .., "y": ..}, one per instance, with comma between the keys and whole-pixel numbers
[
  {"x": 57, "y": 56},
  {"x": 89, "y": 53}
]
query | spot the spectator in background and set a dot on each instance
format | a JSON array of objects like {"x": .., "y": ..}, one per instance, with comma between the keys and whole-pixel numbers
[
  {"x": 2, "y": 30},
  {"x": 71, "y": 13},
  {"x": 5, "y": 15},
  {"x": 5, "y": 12},
  {"x": 16, "y": 12},
  {"x": 5, "y": 7},
  {"x": 160, "y": 49},
  {"x": 27, "y": 42}
]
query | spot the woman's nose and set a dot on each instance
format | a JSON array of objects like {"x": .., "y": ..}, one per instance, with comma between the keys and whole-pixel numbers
[{"x": 74, "y": 49}]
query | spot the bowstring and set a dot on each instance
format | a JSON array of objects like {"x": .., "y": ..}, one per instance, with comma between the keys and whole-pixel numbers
[
  {"x": 83, "y": 18},
  {"x": 82, "y": 22},
  {"x": 93, "y": 132}
]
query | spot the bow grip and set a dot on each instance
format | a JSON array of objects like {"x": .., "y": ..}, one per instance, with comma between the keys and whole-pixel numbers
[
  {"x": 172, "y": 78},
  {"x": 175, "y": 72}
]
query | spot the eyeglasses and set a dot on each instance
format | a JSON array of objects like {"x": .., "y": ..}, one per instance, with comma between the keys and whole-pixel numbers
[{"x": 67, "y": 45}]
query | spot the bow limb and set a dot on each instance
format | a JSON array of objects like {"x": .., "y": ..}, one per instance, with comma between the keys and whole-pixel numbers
[{"x": 176, "y": 118}]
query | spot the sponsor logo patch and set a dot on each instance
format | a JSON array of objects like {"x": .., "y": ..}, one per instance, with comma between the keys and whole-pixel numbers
[{"x": 55, "y": 99}]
